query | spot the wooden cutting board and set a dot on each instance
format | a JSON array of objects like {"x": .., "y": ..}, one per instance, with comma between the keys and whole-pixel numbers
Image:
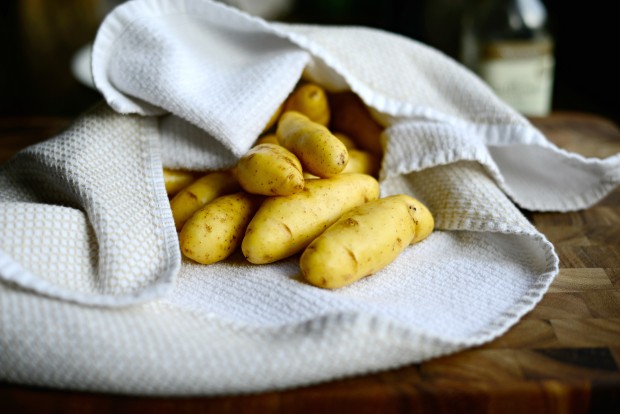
[{"x": 563, "y": 357}]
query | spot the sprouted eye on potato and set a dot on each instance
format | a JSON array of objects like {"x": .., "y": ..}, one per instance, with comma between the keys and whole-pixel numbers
[{"x": 308, "y": 186}]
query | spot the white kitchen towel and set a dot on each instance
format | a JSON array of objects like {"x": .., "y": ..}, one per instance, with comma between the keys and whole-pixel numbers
[{"x": 94, "y": 293}]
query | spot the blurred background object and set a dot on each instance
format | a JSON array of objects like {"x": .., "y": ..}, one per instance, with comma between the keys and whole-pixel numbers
[
  {"x": 42, "y": 38},
  {"x": 508, "y": 44}
]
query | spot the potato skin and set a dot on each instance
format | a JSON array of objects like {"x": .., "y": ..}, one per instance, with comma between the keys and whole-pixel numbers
[
  {"x": 203, "y": 190},
  {"x": 311, "y": 100},
  {"x": 423, "y": 219},
  {"x": 267, "y": 138},
  {"x": 320, "y": 152},
  {"x": 362, "y": 162},
  {"x": 283, "y": 226},
  {"x": 351, "y": 117},
  {"x": 270, "y": 169},
  {"x": 364, "y": 240},
  {"x": 346, "y": 140},
  {"x": 176, "y": 180},
  {"x": 215, "y": 231},
  {"x": 273, "y": 119}
]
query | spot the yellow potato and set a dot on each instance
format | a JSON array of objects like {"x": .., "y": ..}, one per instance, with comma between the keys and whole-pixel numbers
[
  {"x": 424, "y": 221},
  {"x": 319, "y": 151},
  {"x": 308, "y": 176},
  {"x": 284, "y": 226},
  {"x": 215, "y": 231},
  {"x": 309, "y": 99},
  {"x": 365, "y": 240},
  {"x": 267, "y": 139},
  {"x": 346, "y": 140},
  {"x": 200, "y": 192},
  {"x": 351, "y": 117},
  {"x": 270, "y": 169},
  {"x": 274, "y": 118},
  {"x": 362, "y": 162},
  {"x": 176, "y": 180}
]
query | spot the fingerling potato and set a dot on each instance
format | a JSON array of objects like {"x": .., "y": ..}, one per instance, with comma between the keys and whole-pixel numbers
[
  {"x": 267, "y": 139},
  {"x": 319, "y": 151},
  {"x": 365, "y": 240},
  {"x": 351, "y": 117},
  {"x": 176, "y": 180},
  {"x": 273, "y": 119},
  {"x": 309, "y": 99},
  {"x": 215, "y": 231},
  {"x": 283, "y": 226},
  {"x": 362, "y": 162},
  {"x": 270, "y": 169},
  {"x": 203, "y": 190},
  {"x": 346, "y": 140}
]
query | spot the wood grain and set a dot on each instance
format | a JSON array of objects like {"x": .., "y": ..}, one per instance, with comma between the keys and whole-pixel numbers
[{"x": 562, "y": 357}]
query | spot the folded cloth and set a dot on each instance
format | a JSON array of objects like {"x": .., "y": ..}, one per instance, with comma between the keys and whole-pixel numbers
[{"x": 95, "y": 295}]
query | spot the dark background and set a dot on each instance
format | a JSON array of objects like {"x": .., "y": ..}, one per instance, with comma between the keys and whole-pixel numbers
[{"x": 39, "y": 37}]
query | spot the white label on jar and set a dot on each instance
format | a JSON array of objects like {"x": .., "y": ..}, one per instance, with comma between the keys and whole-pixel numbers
[{"x": 521, "y": 75}]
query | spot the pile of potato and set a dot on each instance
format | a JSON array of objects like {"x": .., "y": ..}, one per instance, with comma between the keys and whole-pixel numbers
[{"x": 309, "y": 185}]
